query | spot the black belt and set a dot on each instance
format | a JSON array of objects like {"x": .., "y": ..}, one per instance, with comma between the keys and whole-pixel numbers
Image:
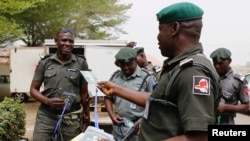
[
  {"x": 226, "y": 118},
  {"x": 135, "y": 120},
  {"x": 74, "y": 107}
]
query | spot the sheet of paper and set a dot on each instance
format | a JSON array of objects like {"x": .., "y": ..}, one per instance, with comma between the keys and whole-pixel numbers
[
  {"x": 93, "y": 134},
  {"x": 89, "y": 76}
]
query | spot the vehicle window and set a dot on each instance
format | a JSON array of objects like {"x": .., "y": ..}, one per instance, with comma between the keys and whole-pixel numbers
[
  {"x": 247, "y": 77},
  {"x": 4, "y": 79}
]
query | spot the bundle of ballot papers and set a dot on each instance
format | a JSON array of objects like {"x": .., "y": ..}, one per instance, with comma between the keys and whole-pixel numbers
[{"x": 93, "y": 134}]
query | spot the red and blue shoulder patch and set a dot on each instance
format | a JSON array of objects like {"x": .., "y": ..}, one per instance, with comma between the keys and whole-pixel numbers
[{"x": 201, "y": 85}]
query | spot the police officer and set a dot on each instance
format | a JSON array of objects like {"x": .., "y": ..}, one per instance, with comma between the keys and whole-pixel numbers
[
  {"x": 64, "y": 87},
  {"x": 132, "y": 77},
  {"x": 142, "y": 60},
  {"x": 234, "y": 87},
  {"x": 185, "y": 100},
  {"x": 144, "y": 63}
]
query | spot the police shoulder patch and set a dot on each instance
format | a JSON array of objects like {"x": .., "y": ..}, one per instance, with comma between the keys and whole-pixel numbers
[{"x": 201, "y": 85}]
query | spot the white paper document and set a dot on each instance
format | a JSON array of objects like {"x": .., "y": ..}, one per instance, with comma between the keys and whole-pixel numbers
[
  {"x": 93, "y": 134},
  {"x": 89, "y": 76}
]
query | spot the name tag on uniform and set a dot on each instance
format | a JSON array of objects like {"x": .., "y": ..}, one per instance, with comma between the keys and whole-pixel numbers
[{"x": 132, "y": 106}]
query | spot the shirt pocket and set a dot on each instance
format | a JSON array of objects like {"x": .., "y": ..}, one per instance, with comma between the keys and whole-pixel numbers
[
  {"x": 49, "y": 75},
  {"x": 74, "y": 76},
  {"x": 228, "y": 95},
  {"x": 137, "y": 86}
]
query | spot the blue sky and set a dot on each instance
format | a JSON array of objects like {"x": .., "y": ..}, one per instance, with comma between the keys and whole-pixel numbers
[{"x": 226, "y": 23}]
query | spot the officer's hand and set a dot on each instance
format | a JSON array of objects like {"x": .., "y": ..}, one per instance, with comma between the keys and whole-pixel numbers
[
  {"x": 116, "y": 119},
  {"x": 85, "y": 126},
  {"x": 138, "y": 122},
  {"x": 131, "y": 44},
  {"x": 222, "y": 107},
  {"x": 106, "y": 87},
  {"x": 56, "y": 103},
  {"x": 85, "y": 122}
]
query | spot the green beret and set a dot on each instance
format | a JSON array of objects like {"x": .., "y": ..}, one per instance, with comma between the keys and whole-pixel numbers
[
  {"x": 139, "y": 50},
  {"x": 126, "y": 54},
  {"x": 220, "y": 54},
  {"x": 180, "y": 12}
]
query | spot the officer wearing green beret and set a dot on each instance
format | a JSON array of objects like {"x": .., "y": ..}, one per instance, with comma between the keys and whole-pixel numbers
[
  {"x": 131, "y": 45},
  {"x": 132, "y": 77},
  {"x": 185, "y": 100},
  {"x": 234, "y": 87},
  {"x": 144, "y": 63},
  {"x": 221, "y": 54}
]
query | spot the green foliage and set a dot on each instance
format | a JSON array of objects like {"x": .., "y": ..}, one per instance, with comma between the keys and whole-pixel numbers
[
  {"x": 10, "y": 31},
  {"x": 12, "y": 117},
  {"x": 92, "y": 19},
  {"x": 16, "y": 6}
]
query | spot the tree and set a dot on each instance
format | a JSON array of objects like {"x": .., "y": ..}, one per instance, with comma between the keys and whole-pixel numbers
[
  {"x": 9, "y": 29},
  {"x": 92, "y": 19}
]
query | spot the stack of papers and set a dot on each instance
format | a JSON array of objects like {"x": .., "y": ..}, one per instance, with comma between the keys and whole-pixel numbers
[{"x": 93, "y": 134}]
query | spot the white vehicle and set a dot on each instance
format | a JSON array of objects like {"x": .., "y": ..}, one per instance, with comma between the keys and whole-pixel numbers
[
  {"x": 100, "y": 55},
  {"x": 23, "y": 61},
  {"x": 4, "y": 74},
  {"x": 4, "y": 86}
]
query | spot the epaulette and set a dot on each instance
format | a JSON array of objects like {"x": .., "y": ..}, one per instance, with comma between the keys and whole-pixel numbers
[
  {"x": 157, "y": 68},
  {"x": 186, "y": 61},
  {"x": 189, "y": 61},
  {"x": 147, "y": 71},
  {"x": 114, "y": 74},
  {"x": 239, "y": 77},
  {"x": 46, "y": 56},
  {"x": 82, "y": 56}
]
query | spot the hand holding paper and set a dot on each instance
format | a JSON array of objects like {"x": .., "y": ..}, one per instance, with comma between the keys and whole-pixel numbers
[{"x": 106, "y": 87}]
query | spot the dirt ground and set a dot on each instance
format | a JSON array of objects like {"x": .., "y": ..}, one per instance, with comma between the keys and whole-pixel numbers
[{"x": 31, "y": 108}]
